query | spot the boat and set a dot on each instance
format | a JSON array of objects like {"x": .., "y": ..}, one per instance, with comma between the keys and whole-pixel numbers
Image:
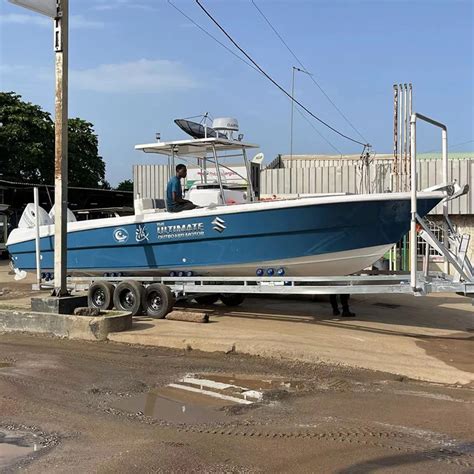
[{"x": 232, "y": 233}]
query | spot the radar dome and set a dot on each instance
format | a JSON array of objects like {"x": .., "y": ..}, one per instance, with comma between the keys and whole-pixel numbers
[{"x": 225, "y": 125}]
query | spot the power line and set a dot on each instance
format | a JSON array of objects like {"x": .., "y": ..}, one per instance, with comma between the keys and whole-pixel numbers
[
  {"x": 274, "y": 82},
  {"x": 311, "y": 76},
  {"x": 250, "y": 65},
  {"x": 211, "y": 36},
  {"x": 317, "y": 131}
]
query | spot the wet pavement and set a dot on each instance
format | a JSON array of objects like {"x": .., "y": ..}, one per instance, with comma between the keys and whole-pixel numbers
[{"x": 107, "y": 407}]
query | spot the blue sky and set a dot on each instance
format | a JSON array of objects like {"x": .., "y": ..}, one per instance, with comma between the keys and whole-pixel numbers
[{"x": 137, "y": 65}]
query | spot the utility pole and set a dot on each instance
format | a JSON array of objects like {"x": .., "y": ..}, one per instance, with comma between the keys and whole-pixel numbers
[
  {"x": 58, "y": 10},
  {"x": 61, "y": 27},
  {"x": 293, "y": 104},
  {"x": 292, "y": 111}
]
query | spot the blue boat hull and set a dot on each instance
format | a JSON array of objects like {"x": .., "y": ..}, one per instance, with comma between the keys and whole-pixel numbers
[{"x": 232, "y": 242}]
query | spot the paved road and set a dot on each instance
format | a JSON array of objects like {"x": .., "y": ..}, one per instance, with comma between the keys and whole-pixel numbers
[{"x": 331, "y": 419}]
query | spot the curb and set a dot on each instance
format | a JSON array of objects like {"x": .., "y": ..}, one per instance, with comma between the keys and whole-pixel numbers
[{"x": 90, "y": 328}]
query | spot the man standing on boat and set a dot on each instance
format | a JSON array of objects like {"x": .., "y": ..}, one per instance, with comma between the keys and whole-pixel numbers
[{"x": 174, "y": 192}]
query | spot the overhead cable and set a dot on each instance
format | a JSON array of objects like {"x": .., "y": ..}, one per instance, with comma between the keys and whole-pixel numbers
[
  {"x": 305, "y": 70},
  {"x": 317, "y": 131},
  {"x": 212, "y": 36},
  {"x": 250, "y": 65},
  {"x": 273, "y": 80}
]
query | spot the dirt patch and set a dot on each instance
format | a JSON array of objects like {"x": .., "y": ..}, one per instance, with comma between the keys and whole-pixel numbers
[{"x": 342, "y": 419}]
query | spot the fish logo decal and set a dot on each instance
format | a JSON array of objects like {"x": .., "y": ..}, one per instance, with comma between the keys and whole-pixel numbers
[
  {"x": 120, "y": 235},
  {"x": 141, "y": 234},
  {"x": 219, "y": 224}
]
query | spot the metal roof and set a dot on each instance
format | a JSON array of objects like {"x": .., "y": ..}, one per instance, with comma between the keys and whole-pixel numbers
[
  {"x": 198, "y": 147},
  {"x": 379, "y": 156}
]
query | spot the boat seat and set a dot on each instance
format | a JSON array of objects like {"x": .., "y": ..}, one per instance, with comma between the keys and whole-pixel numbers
[{"x": 149, "y": 205}]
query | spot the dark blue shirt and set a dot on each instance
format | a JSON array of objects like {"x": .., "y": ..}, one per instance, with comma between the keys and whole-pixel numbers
[{"x": 174, "y": 186}]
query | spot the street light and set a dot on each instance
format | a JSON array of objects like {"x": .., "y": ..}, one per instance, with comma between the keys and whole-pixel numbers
[
  {"x": 45, "y": 7},
  {"x": 58, "y": 10},
  {"x": 293, "y": 105}
]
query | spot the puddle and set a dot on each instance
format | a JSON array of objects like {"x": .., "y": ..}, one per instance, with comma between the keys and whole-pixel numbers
[
  {"x": 175, "y": 406},
  {"x": 199, "y": 398},
  {"x": 15, "y": 446}
]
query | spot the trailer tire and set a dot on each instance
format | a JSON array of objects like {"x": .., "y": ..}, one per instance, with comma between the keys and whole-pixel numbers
[
  {"x": 206, "y": 300},
  {"x": 158, "y": 300},
  {"x": 232, "y": 299},
  {"x": 101, "y": 295},
  {"x": 128, "y": 296}
]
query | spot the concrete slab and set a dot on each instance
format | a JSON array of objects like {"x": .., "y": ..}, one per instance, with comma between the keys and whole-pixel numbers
[
  {"x": 427, "y": 338},
  {"x": 92, "y": 328},
  {"x": 53, "y": 304}
]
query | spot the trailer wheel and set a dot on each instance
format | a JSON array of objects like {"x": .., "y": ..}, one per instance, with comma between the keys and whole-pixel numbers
[
  {"x": 206, "y": 299},
  {"x": 232, "y": 299},
  {"x": 101, "y": 295},
  {"x": 158, "y": 300},
  {"x": 128, "y": 296}
]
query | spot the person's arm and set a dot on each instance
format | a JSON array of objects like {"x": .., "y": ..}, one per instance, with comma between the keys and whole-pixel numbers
[{"x": 177, "y": 199}]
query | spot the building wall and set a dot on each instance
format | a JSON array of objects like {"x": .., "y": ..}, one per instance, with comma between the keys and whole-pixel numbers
[
  {"x": 313, "y": 161},
  {"x": 150, "y": 180},
  {"x": 347, "y": 176}
]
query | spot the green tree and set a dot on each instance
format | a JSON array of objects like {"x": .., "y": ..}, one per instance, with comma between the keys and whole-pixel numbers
[
  {"x": 26, "y": 140},
  {"x": 126, "y": 185},
  {"x": 104, "y": 184},
  {"x": 86, "y": 167},
  {"x": 27, "y": 145}
]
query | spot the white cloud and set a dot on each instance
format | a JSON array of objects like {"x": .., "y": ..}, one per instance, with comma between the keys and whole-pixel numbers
[
  {"x": 80, "y": 22},
  {"x": 142, "y": 76},
  {"x": 13, "y": 68},
  {"x": 23, "y": 19},
  {"x": 105, "y": 5},
  {"x": 75, "y": 21}
]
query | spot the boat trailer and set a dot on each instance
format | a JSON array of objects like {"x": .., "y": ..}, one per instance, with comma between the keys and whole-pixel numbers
[{"x": 156, "y": 296}]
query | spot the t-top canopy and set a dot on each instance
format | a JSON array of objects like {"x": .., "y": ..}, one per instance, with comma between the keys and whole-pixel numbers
[{"x": 198, "y": 147}]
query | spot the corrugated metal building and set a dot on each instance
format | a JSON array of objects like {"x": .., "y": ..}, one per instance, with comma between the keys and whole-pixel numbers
[
  {"x": 308, "y": 174},
  {"x": 313, "y": 161},
  {"x": 314, "y": 175},
  {"x": 149, "y": 181}
]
